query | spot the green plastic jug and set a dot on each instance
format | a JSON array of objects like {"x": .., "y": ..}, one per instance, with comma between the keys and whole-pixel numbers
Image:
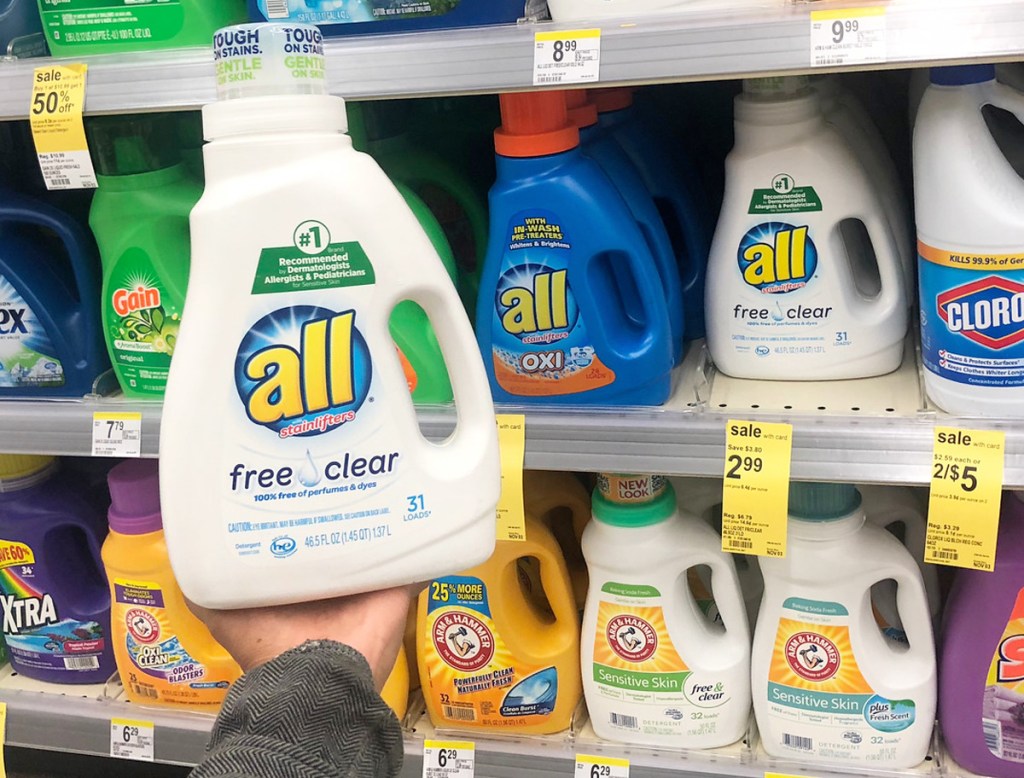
[
  {"x": 77, "y": 27},
  {"x": 381, "y": 130},
  {"x": 140, "y": 216}
]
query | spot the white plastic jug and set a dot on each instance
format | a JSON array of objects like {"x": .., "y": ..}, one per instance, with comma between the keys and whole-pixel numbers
[
  {"x": 970, "y": 229},
  {"x": 904, "y": 513},
  {"x": 792, "y": 293},
  {"x": 656, "y": 671},
  {"x": 847, "y": 114},
  {"x": 291, "y": 464},
  {"x": 604, "y": 9},
  {"x": 827, "y": 686}
]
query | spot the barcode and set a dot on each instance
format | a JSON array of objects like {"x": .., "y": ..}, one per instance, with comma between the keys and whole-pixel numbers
[
  {"x": 81, "y": 662},
  {"x": 60, "y": 182},
  {"x": 829, "y": 61},
  {"x": 549, "y": 79},
  {"x": 944, "y": 554},
  {"x": 735, "y": 543},
  {"x": 277, "y": 9},
  {"x": 621, "y": 720},
  {"x": 795, "y": 741},
  {"x": 145, "y": 691},
  {"x": 458, "y": 714},
  {"x": 993, "y": 736}
]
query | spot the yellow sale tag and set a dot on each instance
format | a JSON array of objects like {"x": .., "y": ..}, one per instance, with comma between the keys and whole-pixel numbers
[
  {"x": 963, "y": 505},
  {"x": 755, "y": 492},
  {"x": 55, "y": 114},
  {"x": 3, "y": 738},
  {"x": 512, "y": 441}
]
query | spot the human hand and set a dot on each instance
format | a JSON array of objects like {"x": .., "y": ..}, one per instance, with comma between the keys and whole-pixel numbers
[{"x": 371, "y": 623}]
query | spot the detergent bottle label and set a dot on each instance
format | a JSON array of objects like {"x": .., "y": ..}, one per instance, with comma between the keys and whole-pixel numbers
[
  {"x": 823, "y": 705},
  {"x": 26, "y": 351},
  {"x": 333, "y": 12},
  {"x": 38, "y": 635},
  {"x": 1002, "y": 708},
  {"x": 162, "y": 670},
  {"x": 972, "y": 316},
  {"x": 784, "y": 310},
  {"x": 88, "y": 22},
  {"x": 305, "y": 467},
  {"x": 639, "y": 671},
  {"x": 472, "y": 676},
  {"x": 143, "y": 319},
  {"x": 542, "y": 344}
]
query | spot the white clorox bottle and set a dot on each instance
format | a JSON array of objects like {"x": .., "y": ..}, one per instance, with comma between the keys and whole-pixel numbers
[
  {"x": 804, "y": 278},
  {"x": 827, "y": 685},
  {"x": 291, "y": 466},
  {"x": 970, "y": 230}
]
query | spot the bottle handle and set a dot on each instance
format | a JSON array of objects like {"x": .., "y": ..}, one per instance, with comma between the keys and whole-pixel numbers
[
  {"x": 1007, "y": 98},
  {"x": 648, "y": 284},
  {"x": 554, "y": 579},
  {"x": 728, "y": 598},
  {"x": 695, "y": 238},
  {"x": 76, "y": 240},
  {"x": 890, "y": 267},
  {"x": 82, "y": 593},
  {"x": 914, "y": 613},
  {"x": 475, "y": 431}
]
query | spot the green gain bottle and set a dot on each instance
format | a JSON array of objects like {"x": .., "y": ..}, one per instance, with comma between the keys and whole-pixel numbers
[
  {"x": 409, "y": 326},
  {"x": 381, "y": 130},
  {"x": 140, "y": 216}
]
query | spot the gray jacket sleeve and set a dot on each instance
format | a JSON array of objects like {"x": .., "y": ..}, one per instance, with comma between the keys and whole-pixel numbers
[{"x": 312, "y": 712}]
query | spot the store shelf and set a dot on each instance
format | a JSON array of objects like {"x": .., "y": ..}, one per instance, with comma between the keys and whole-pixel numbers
[
  {"x": 864, "y": 431},
  {"x": 694, "y": 46}
]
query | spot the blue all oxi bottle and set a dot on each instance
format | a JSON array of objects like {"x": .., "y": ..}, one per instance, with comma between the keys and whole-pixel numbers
[
  {"x": 53, "y": 592},
  {"x": 601, "y": 147},
  {"x": 571, "y": 308},
  {"x": 679, "y": 198}
]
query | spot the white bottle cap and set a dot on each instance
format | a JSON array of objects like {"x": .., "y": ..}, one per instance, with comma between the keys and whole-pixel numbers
[{"x": 269, "y": 59}]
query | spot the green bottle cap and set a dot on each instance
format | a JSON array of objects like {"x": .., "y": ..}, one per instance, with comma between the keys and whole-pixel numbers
[
  {"x": 640, "y": 513},
  {"x": 822, "y": 502},
  {"x": 129, "y": 145}
]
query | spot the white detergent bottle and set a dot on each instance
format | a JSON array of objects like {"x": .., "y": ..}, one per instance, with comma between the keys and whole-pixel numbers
[
  {"x": 656, "y": 670},
  {"x": 970, "y": 230},
  {"x": 827, "y": 685},
  {"x": 901, "y": 511},
  {"x": 702, "y": 497},
  {"x": 847, "y": 114},
  {"x": 793, "y": 293},
  {"x": 292, "y": 467}
]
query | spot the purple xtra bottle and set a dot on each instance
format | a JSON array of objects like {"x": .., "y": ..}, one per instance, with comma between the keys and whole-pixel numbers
[
  {"x": 53, "y": 592},
  {"x": 981, "y": 675}
]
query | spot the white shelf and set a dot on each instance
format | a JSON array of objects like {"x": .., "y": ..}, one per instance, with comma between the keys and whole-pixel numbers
[{"x": 682, "y": 47}]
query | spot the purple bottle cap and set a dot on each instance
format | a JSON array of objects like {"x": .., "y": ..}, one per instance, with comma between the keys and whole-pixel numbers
[{"x": 135, "y": 497}]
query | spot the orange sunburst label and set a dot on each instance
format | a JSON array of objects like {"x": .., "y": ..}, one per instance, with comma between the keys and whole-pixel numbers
[
  {"x": 472, "y": 676},
  {"x": 1002, "y": 709},
  {"x": 820, "y": 703},
  {"x": 641, "y": 679}
]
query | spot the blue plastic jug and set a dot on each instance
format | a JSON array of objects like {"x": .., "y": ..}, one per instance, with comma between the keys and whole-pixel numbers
[
  {"x": 571, "y": 308},
  {"x": 358, "y": 17},
  {"x": 21, "y": 29},
  {"x": 51, "y": 344},
  {"x": 677, "y": 197},
  {"x": 601, "y": 147}
]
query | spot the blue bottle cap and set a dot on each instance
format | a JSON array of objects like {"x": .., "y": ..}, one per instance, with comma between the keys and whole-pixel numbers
[{"x": 960, "y": 75}]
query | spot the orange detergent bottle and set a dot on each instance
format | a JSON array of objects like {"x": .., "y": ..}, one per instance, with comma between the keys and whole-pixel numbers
[
  {"x": 490, "y": 657},
  {"x": 164, "y": 654}
]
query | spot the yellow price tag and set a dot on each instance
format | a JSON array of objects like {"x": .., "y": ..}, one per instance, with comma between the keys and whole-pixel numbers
[
  {"x": 3, "y": 738},
  {"x": 55, "y": 115},
  {"x": 963, "y": 505},
  {"x": 755, "y": 491},
  {"x": 512, "y": 441},
  {"x": 588, "y": 766}
]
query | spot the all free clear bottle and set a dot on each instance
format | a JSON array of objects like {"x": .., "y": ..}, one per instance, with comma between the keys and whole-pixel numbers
[{"x": 292, "y": 466}]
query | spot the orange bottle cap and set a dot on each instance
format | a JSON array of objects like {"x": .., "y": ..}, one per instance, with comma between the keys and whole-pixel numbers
[
  {"x": 613, "y": 99},
  {"x": 582, "y": 112},
  {"x": 534, "y": 124}
]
